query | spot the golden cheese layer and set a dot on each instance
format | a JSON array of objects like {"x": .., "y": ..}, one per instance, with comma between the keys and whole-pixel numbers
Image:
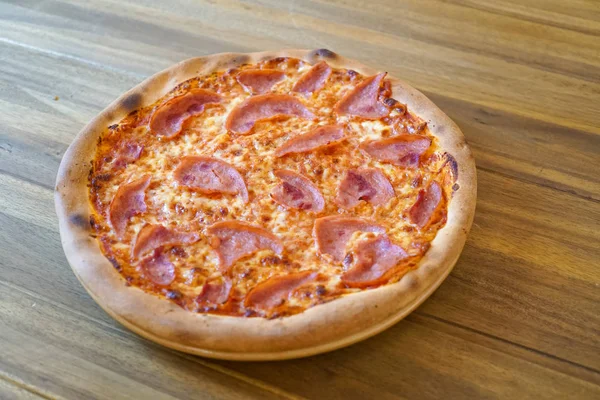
[{"x": 176, "y": 206}]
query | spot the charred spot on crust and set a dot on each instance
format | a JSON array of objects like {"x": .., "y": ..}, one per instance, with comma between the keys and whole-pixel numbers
[
  {"x": 451, "y": 161},
  {"x": 241, "y": 59},
  {"x": 79, "y": 221},
  {"x": 412, "y": 283},
  {"x": 132, "y": 101},
  {"x": 455, "y": 187},
  {"x": 112, "y": 127},
  {"x": 278, "y": 60},
  {"x": 324, "y": 53},
  {"x": 115, "y": 264},
  {"x": 93, "y": 222}
]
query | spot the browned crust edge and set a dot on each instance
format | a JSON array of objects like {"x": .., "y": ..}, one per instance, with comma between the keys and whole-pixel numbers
[{"x": 326, "y": 327}]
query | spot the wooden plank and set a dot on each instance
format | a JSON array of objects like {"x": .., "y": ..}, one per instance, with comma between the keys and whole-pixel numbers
[{"x": 531, "y": 87}]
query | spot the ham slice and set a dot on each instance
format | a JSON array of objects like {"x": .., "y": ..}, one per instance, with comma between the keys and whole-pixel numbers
[
  {"x": 297, "y": 191},
  {"x": 332, "y": 233},
  {"x": 274, "y": 291},
  {"x": 368, "y": 184},
  {"x": 313, "y": 80},
  {"x": 152, "y": 237},
  {"x": 363, "y": 100},
  {"x": 158, "y": 269},
  {"x": 372, "y": 259},
  {"x": 128, "y": 201},
  {"x": 319, "y": 137},
  {"x": 210, "y": 175},
  {"x": 126, "y": 154},
  {"x": 404, "y": 150},
  {"x": 258, "y": 81},
  {"x": 242, "y": 118},
  {"x": 214, "y": 293},
  {"x": 167, "y": 121},
  {"x": 235, "y": 240},
  {"x": 427, "y": 202}
]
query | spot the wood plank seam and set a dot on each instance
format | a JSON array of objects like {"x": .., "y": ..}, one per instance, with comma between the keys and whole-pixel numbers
[
  {"x": 556, "y": 168},
  {"x": 28, "y": 180},
  {"x": 463, "y": 3},
  {"x": 540, "y": 184},
  {"x": 22, "y": 385},
  {"x": 81, "y": 60},
  {"x": 589, "y": 369}
]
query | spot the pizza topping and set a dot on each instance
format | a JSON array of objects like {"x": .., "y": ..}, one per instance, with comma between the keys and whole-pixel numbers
[
  {"x": 368, "y": 184},
  {"x": 403, "y": 151},
  {"x": 242, "y": 118},
  {"x": 332, "y": 233},
  {"x": 168, "y": 119},
  {"x": 258, "y": 81},
  {"x": 210, "y": 175},
  {"x": 127, "y": 153},
  {"x": 214, "y": 293},
  {"x": 427, "y": 202},
  {"x": 371, "y": 259},
  {"x": 313, "y": 80},
  {"x": 319, "y": 137},
  {"x": 274, "y": 291},
  {"x": 235, "y": 240},
  {"x": 317, "y": 182},
  {"x": 297, "y": 191},
  {"x": 128, "y": 201},
  {"x": 363, "y": 100},
  {"x": 152, "y": 237},
  {"x": 158, "y": 269}
]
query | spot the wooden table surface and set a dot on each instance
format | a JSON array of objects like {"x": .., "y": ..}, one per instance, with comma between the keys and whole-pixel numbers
[{"x": 519, "y": 317}]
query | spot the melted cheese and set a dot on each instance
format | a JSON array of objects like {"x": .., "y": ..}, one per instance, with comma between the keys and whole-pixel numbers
[{"x": 252, "y": 155}]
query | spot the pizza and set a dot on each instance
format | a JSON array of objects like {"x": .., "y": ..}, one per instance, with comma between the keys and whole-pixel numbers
[{"x": 265, "y": 205}]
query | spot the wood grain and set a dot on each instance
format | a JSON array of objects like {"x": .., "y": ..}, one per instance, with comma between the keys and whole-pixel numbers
[{"x": 517, "y": 318}]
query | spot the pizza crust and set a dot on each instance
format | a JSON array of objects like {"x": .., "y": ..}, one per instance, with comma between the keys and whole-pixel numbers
[{"x": 322, "y": 328}]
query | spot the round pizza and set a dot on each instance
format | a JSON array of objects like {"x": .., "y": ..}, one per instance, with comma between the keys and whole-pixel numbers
[{"x": 266, "y": 205}]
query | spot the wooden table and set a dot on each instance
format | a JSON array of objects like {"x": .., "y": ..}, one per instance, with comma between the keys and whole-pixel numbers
[{"x": 519, "y": 317}]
